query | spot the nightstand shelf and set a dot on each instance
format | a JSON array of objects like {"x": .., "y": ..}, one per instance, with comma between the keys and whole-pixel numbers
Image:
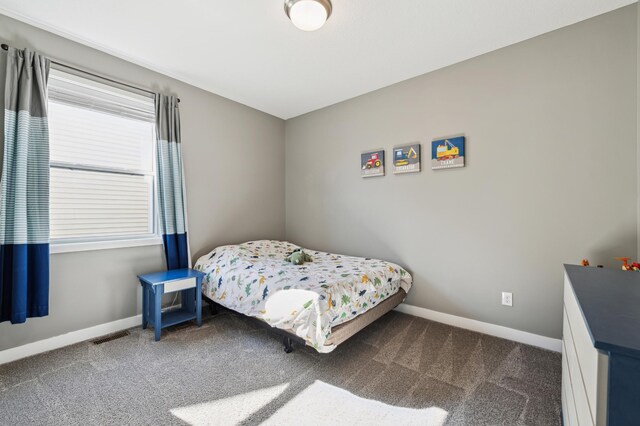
[
  {"x": 187, "y": 281},
  {"x": 175, "y": 316}
]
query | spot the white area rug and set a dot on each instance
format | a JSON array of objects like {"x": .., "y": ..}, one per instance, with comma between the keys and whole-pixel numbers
[{"x": 318, "y": 404}]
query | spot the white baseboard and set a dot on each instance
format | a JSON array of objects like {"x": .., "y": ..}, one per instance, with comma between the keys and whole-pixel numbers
[
  {"x": 78, "y": 336},
  {"x": 67, "y": 339},
  {"x": 484, "y": 327}
]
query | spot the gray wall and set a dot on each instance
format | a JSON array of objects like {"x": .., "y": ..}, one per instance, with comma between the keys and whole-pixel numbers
[
  {"x": 234, "y": 164},
  {"x": 551, "y": 174},
  {"x": 563, "y": 106}
]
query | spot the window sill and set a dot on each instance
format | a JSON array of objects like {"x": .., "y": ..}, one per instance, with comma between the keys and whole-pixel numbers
[{"x": 103, "y": 245}]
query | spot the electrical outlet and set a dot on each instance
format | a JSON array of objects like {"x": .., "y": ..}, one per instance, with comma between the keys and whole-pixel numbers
[{"x": 507, "y": 298}]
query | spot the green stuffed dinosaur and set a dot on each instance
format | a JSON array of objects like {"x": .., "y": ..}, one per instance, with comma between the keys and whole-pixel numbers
[{"x": 298, "y": 257}]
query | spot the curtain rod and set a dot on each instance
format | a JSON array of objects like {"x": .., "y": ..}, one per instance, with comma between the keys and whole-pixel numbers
[{"x": 6, "y": 47}]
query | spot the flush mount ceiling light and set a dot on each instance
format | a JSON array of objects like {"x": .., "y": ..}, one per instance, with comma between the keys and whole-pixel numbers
[{"x": 308, "y": 15}]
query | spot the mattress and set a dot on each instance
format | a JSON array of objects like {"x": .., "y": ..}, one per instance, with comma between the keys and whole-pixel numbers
[
  {"x": 342, "y": 332},
  {"x": 308, "y": 300}
]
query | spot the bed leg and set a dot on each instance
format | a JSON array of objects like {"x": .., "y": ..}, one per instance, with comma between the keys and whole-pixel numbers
[
  {"x": 288, "y": 344},
  {"x": 212, "y": 308}
]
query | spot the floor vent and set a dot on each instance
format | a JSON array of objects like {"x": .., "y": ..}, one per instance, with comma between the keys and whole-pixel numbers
[{"x": 110, "y": 337}]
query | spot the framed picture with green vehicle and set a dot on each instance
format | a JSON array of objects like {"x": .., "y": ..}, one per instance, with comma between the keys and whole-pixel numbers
[
  {"x": 372, "y": 163},
  {"x": 406, "y": 158}
]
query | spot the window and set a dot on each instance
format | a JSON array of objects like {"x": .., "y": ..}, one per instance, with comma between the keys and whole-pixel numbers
[{"x": 102, "y": 163}]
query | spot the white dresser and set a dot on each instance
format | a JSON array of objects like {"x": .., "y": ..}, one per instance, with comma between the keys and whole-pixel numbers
[
  {"x": 601, "y": 347},
  {"x": 584, "y": 368}
]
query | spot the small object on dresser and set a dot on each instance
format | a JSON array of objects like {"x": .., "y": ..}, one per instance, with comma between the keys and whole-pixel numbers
[
  {"x": 635, "y": 266},
  {"x": 186, "y": 281},
  {"x": 585, "y": 262}
]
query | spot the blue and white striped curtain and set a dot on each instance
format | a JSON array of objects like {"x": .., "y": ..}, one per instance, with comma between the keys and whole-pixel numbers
[
  {"x": 171, "y": 192},
  {"x": 24, "y": 200}
]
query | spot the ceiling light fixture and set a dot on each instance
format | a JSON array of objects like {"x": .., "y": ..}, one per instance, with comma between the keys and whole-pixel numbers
[{"x": 308, "y": 15}]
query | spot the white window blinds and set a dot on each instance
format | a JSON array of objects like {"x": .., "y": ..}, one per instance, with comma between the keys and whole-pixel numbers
[{"x": 102, "y": 168}]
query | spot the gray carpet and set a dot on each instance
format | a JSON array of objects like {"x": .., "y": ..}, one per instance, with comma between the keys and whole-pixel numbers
[{"x": 400, "y": 360}]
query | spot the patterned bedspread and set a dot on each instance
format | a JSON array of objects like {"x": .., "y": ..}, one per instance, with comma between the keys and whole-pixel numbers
[{"x": 253, "y": 278}]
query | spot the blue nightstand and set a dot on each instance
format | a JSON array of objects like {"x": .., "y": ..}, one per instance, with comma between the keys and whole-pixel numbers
[{"x": 187, "y": 281}]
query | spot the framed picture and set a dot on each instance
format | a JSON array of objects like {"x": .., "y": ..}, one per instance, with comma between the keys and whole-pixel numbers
[
  {"x": 372, "y": 163},
  {"x": 447, "y": 153},
  {"x": 406, "y": 158}
]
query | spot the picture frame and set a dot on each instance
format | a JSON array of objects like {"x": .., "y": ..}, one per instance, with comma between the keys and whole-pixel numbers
[
  {"x": 406, "y": 158},
  {"x": 372, "y": 163},
  {"x": 448, "y": 153}
]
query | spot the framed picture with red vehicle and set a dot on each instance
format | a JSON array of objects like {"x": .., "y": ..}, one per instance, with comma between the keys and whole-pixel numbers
[{"x": 372, "y": 163}]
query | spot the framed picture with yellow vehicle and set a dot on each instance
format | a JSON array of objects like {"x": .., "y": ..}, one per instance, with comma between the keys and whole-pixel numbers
[
  {"x": 372, "y": 163},
  {"x": 447, "y": 153},
  {"x": 406, "y": 158}
]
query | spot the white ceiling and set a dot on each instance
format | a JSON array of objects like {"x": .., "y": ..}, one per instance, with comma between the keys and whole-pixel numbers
[{"x": 248, "y": 51}]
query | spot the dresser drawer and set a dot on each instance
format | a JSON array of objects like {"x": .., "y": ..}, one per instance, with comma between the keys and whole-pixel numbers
[
  {"x": 585, "y": 412},
  {"x": 587, "y": 355},
  {"x": 569, "y": 414},
  {"x": 591, "y": 365}
]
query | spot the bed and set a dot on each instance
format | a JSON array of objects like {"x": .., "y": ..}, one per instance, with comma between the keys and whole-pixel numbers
[{"x": 322, "y": 302}]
